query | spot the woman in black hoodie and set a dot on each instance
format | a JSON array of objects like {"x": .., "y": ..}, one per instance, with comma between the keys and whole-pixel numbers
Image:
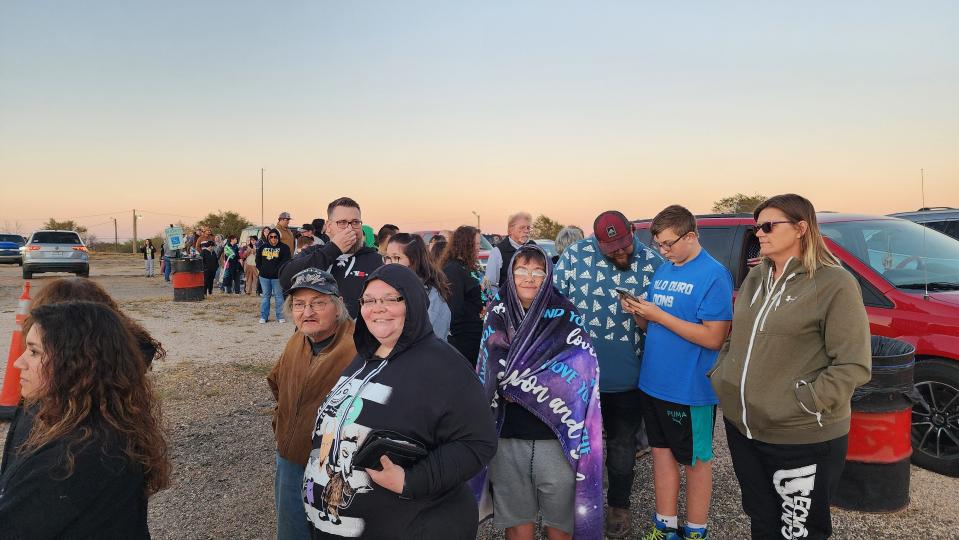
[
  {"x": 269, "y": 258},
  {"x": 405, "y": 381}
]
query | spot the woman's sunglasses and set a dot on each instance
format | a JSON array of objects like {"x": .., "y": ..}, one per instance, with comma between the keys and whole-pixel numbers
[{"x": 767, "y": 227}]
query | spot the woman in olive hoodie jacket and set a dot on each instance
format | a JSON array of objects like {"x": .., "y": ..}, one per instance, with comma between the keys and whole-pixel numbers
[{"x": 798, "y": 348}]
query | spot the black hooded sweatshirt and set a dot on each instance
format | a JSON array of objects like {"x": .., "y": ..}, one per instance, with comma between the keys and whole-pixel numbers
[
  {"x": 423, "y": 390},
  {"x": 349, "y": 270}
]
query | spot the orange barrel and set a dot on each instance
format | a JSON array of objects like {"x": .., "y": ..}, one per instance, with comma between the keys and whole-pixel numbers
[
  {"x": 187, "y": 280},
  {"x": 876, "y": 475}
]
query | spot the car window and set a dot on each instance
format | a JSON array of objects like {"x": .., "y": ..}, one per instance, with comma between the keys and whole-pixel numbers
[
  {"x": 15, "y": 238},
  {"x": 937, "y": 225},
  {"x": 904, "y": 253},
  {"x": 718, "y": 242},
  {"x": 50, "y": 237},
  {"x": 953, "y": 229}
]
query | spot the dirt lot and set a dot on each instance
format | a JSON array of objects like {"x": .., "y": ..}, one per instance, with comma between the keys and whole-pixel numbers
[{"x": 217, "y": 405}]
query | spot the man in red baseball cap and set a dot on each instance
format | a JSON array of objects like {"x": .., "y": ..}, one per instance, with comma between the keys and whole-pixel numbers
[
  {"x": 614, "y": 234},
  {"x": 591, "y": 273}
]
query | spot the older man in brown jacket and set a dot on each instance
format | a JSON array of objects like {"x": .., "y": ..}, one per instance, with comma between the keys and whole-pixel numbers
[{"x": 305, "y": 373}]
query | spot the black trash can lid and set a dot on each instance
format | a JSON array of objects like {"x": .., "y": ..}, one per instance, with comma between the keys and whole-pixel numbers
[{"x": 889, "y": 349}]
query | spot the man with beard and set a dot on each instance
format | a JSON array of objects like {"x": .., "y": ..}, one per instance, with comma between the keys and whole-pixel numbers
[
  {"x": 589, "y": 273},
  {"x": 344, "y": 256}
]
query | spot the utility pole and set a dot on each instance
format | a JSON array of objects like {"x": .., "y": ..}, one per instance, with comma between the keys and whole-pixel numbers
[
  {"x": 477, "y": 219},
  {"x": 922, "y": 186},
  {"x": 261, "y": 197},
  {"x": 134, "y": 230},
  {"x": 116, "y": 236}
]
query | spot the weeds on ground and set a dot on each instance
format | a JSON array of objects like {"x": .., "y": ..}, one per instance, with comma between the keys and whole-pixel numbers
[{"x": 260, "y": 369}]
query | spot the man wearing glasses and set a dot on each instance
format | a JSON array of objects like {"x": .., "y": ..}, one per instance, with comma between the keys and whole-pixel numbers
[
  {"x": 518, "y": 228},
  {"x": 686, "y": 315},
  {"x": 589, "y": 273},
  {"x": 344, "y": 256},
  {"x": 305, "y": 373}
]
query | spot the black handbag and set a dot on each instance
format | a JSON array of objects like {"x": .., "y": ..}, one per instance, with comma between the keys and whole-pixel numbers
[{"x": 401, "y": 450}]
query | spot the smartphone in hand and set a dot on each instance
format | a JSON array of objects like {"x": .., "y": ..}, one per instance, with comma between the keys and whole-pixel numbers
[{"x": 624, "y": 293}]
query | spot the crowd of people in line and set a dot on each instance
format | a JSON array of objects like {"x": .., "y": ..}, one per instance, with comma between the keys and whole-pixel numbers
[{"x": 420, "y": 394}]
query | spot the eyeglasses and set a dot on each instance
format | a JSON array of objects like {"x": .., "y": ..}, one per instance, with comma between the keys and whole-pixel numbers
[
  {"x": 387, "y": 301},
  {"x": 343, "y": 223},
  {"x": 668, "y": 244},
  {"x": 525, "y": 228},
  {"x": 273, "y": 236},
  {"x": 524, "y": 273},
  {"x": 315, "y": 305},
  {"x": 767, "y": 227},
  {"x": 394, "y": 260}
]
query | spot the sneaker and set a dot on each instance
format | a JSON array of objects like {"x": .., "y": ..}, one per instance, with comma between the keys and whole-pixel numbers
[
  {"x": 618, "y": 522},
  {"x": 262, "y": 321},
  {"x": 660, "y": 531},
  {"x": 694, "y": 534},
  {"x": 281, "y": 320}
]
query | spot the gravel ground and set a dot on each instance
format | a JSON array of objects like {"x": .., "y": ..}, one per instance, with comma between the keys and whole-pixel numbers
[{"x": 217, "y": 406}]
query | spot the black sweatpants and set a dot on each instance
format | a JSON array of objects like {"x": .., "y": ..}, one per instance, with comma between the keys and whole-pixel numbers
[
  {"x": 209, "y": 275},
  {"x": 787, "y": 487}
]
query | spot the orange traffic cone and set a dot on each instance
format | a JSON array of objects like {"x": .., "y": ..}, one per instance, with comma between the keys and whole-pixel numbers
[{"x": 10, "y": 395}]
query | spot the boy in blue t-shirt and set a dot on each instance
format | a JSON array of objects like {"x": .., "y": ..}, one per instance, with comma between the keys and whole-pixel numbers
[{"x": 686, "y": 313}]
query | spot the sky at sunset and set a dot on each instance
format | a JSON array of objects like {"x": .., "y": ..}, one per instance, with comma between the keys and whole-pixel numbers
[{"x": 426, "y": 112}]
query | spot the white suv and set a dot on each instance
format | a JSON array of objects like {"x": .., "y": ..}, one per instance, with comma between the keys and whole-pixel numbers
[{"x": 55, "y": 251}]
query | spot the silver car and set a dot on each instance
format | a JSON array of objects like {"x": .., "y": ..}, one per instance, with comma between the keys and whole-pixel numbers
[{"x": 55, "y": 251}]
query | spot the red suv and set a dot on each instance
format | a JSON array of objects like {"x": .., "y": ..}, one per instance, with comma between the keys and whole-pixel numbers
[{"x": 909, "y": 276}]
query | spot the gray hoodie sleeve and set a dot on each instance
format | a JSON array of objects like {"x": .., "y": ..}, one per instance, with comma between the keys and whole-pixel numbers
[{"x": 440, "y": 315}]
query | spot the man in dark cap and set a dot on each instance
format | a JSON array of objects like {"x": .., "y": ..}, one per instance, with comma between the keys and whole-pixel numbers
[
  {"x": 589, "y": 273},
  {"x": 305, "y": 373}
]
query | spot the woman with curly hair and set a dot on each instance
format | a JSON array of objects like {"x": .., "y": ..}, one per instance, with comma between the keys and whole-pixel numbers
[
  {"x": 459, "y": 262},
  {"x": 410, "y": 251},
  {"x": 95, "y": 452},
  {"x": 86, "y": 290}
]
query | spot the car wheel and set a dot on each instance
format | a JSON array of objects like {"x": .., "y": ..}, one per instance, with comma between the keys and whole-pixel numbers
[
  {"x": 935, "y": 424},
  {"x": 85, "y": 273},
  {"x": 27, "y": 274}
]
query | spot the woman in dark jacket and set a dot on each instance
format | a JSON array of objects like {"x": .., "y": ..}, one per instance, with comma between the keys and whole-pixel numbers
[
  {"x": 269, "y": 258},
  {"x": 232, "y": 264},
  {"x": 407, "y": 385},
  {"x": 459, "y": 261},
  {"x": 95, "y": 452}
]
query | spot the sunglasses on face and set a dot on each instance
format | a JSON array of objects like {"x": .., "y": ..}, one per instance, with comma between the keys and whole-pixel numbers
[
  {"x": 767, "y": 227},
  {"x": 274, "y": 236}
]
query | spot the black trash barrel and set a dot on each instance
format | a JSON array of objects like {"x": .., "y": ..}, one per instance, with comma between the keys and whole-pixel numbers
[
  {"x": 876, "y": 475},
  {"x": 187, "y": 280}
]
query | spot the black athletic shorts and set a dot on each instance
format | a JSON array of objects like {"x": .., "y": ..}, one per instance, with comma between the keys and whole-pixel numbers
[{"x": 687, "y": 430}]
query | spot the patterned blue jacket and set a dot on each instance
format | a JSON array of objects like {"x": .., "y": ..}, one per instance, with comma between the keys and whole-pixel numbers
[{"x": 588, "y": 279}]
